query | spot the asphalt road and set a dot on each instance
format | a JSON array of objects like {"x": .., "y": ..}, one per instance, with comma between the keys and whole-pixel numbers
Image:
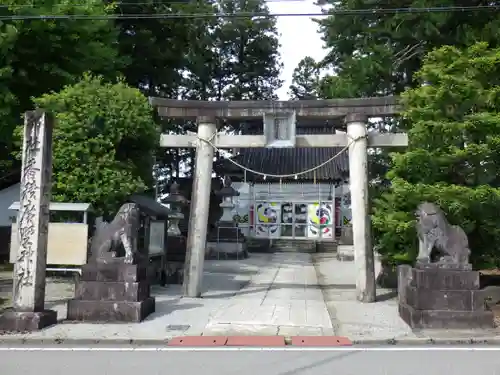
[{"x": 231, "y": 362}]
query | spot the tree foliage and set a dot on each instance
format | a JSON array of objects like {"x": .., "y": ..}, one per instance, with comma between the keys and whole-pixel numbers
[
  {"x": 40, "y": 56},
  {"x": 156, "y": 47},
  {"x": 453, "y": 158},
  {"x": 103, "y": 142},
  {"x": 378, "y": 53},
  {"x": 305, "y": 79},
  {"x": 229, "y": 58},
  {"x": 205, "y": 58}
]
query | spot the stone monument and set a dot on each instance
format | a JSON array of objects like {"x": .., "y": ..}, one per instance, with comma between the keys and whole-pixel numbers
[
  {"x": 176, "y": 242},
  {"x": 114, "y": 287},
  {"x": 28, "y": 294},
  {"x": 226, "y": 240},
  {"x": 441, "y": 291}
]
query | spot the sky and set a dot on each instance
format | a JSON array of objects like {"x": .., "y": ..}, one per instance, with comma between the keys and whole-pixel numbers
[{"x": 298, "y": 37}]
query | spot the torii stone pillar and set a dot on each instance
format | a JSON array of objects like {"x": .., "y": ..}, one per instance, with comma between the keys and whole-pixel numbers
[
  {"x": 200, "y": 203},
  {"x": 28, "y": 294},
  {"x": 358, "y": 182}
]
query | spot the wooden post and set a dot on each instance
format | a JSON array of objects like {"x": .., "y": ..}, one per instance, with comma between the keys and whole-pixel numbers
[
  {"x": 358, "y": 180},
  {"x": 200, "y": 205},
  {"x": 32, "y": 225}
]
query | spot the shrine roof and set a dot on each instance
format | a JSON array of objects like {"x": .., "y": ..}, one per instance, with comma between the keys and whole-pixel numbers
[
  {"x": 149, "y": 205},
  {"x": 289, "y": 161}
]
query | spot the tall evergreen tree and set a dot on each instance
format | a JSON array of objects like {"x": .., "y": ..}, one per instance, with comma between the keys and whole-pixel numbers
[
  {"x": 40, "y": 56},
  {"x": 229, "y": 58},
  {"x": 453, "y": 156},
  {"x": 378, "y": 53},
  {"x": 305, "y": 79}
]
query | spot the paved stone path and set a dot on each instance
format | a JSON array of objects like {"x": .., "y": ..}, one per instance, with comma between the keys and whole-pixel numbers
[
  {"x": 284, "y": 298},
  {"x": 266, "y": 294},
  {"x": 356, "y": 320},
  {"x": 377, "y": 322}
]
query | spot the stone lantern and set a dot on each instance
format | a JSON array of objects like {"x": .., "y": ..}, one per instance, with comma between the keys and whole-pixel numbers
[
  {"x": 176, "y": 242},
  {"x": 227, "y": 193},
  {"x": 227, "y": 241},
  {"x": 176, "y": 202}
]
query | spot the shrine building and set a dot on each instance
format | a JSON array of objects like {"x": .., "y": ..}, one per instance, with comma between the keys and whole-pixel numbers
[{"x": 312, "y": 206}]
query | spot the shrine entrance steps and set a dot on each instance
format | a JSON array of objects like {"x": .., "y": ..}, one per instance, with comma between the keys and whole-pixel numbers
[{"x": 281, "y": 245}]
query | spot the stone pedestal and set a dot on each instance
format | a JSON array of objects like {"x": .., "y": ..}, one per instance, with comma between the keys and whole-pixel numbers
[
  {"x": 176, "y": 242},
  {"x": 176, "y": 258},
  {"x": 345, "y": 249},
  {"x": 345, "y": 253},
  {"x": 112, "y": 292},
  {"x": 346, "y": 235},
  {"x": 26, "y": 321},
  {"x": 437, "y": 296},
  {"x": 226, "y": 242}
]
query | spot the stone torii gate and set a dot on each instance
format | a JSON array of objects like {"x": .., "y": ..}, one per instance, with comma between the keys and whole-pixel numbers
[{"x": 355, "y": 113}]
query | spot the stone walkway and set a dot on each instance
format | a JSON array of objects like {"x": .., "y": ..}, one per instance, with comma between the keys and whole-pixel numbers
[
  {"x": 378, "y": 322},
  {"x": 286, "y": 294},
  {"x": 266, "y": 294},
  {"x": 284, "y": 297},
  {"x": 356, "y": 320}
]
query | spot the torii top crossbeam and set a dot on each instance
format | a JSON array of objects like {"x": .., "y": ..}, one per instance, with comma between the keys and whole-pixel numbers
[
  {"x": 248, "y": 109},
  {"x": 244, "y": 110}
]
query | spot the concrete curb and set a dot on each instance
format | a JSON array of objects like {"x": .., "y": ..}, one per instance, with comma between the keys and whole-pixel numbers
[
  {"x": 74, "y": 341},
  {"x": 427, "y": 341},
  {"x": 418, "y": 341}
]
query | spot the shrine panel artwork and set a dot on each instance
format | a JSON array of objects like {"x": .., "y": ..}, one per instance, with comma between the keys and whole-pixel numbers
[
  {"x": 295, "y": 220},
  {"x": 320, "y": 220},
  {"x": 267, "y": 216}
]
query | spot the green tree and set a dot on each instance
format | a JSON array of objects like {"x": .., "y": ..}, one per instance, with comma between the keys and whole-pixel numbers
[
  {"x": 40, "y": 56},
  {"x": 305, "y": 79},
  {"x": 229, "y": 58},
  {"x": 248, "y": 51},
  {"x": 157, "y": 46},
  {"x": 233, "y": 58},
  {"x": 378, "y": 53},
  {"x": 161, "y": 50},
  {"x": 103, "y": 142},
  {"x": 454, "y": 154}
]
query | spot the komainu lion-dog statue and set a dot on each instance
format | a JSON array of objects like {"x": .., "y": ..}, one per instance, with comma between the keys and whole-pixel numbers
[
  {"x": 435, "y": 232},
  {"x": 123, "y": 229}
]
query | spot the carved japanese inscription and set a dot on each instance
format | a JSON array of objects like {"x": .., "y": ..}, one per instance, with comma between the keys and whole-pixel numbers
[{"x": 33, "y": 216}]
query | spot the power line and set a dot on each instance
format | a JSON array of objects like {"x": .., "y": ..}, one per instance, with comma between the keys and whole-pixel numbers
[
  {"x": 132, "y": 3},
  {"x": 338, "y": 12}
]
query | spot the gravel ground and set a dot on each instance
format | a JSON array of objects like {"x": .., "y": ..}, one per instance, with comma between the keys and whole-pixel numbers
[{"x": 57, "y": 289}]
